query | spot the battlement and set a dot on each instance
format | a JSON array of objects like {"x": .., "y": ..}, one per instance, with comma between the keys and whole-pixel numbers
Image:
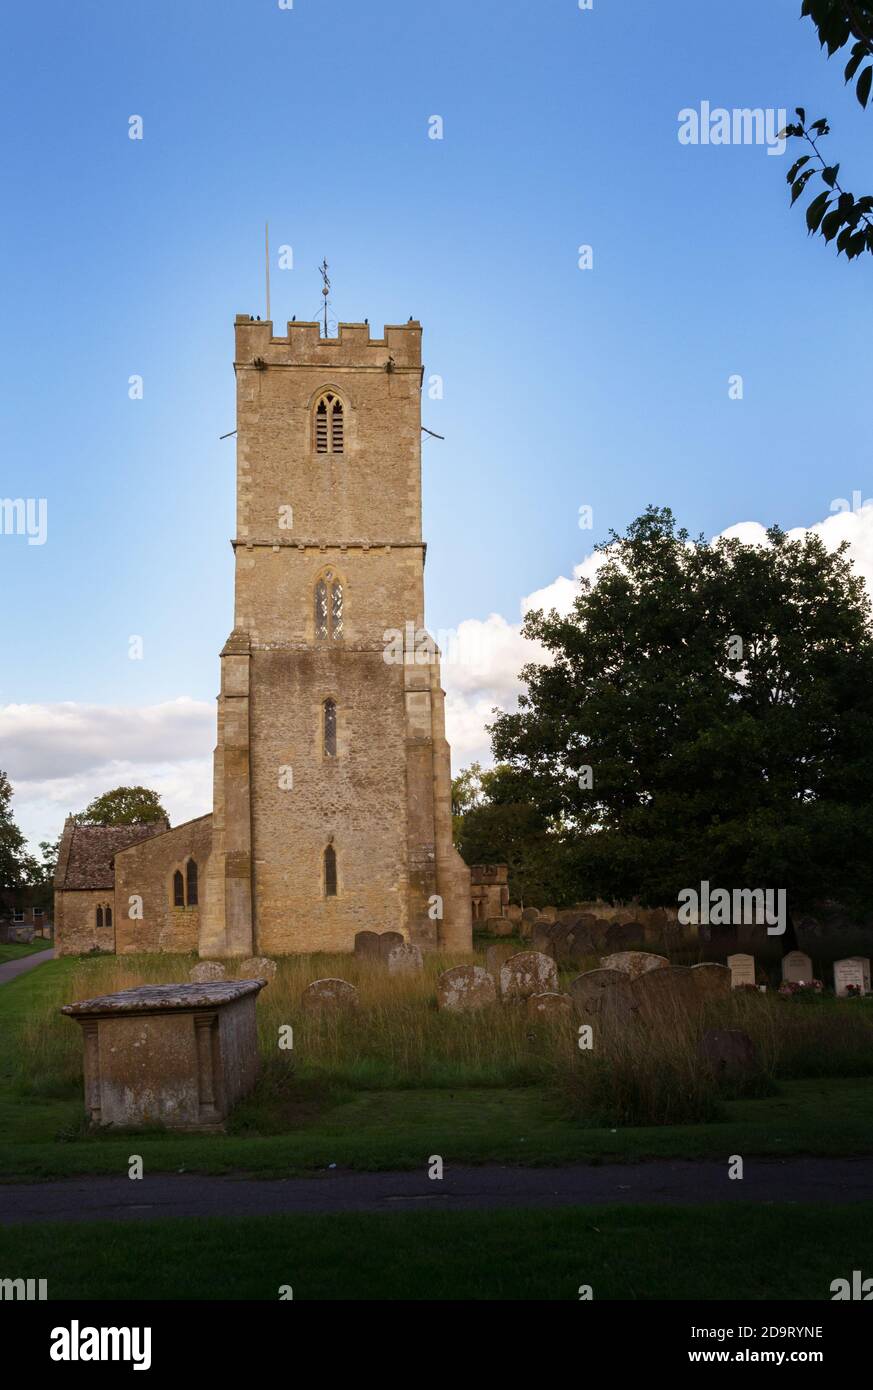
[{"x": 305, "y": 346}]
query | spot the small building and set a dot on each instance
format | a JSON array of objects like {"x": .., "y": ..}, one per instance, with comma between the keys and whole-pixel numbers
[{"x": 489, "y": 890}]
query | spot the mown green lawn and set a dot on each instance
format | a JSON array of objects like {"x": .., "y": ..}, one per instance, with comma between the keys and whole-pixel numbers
[
  {"x": 719, "y": 1251},
  {"x": 15, "y": 950}
]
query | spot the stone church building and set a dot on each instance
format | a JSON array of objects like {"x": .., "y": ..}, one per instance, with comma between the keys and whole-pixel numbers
[{"x": 332, "y": 784}]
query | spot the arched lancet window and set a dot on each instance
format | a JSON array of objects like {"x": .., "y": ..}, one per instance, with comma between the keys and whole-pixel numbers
[
  {"x": 328, "y": 608},
  {"x": 107, "y": 916},
  {"x": 100, "y": 916},
  {"x": 329, "y": 728},
  {"x": 178, "y": 889},
  {"x": 191, "y": 882},
  {"x": 330, "y": 872},
  {"x": 329, "y": 424}
]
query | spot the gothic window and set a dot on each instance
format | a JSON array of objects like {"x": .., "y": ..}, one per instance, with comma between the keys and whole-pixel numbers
[
  {"x": 329, "y": 424},
  {"x": 329, "y": 716},
  {"x": 328, "y": 608},
  {"x": 107, "y": 916},
  {"x": 191, "y": 883},
  {"x": 178, "y": 889},
  {"x": 330, "y": 872},
  {"x": 100, "y": 916}
]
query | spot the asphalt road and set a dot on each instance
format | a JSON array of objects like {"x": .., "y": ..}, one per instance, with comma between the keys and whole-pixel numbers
[{"x": 487, "y": 1188}]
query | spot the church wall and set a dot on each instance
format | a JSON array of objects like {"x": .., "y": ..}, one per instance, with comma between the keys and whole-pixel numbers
[
  {"x": 76, "y": 930},
  {"x": 146, "y": 870}
]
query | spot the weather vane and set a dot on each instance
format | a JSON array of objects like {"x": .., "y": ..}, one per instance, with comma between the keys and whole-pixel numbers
[{"x": 325, "y": 291}]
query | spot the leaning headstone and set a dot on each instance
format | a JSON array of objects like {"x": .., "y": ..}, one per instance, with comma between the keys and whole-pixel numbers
[
  {"x": 728, "y": 1053},
  {"x": 179, "y": 1056},
  {"x": 258, "y": 968},
  {"x": 550, "y": 1005},
  {"x": 405, "y": 959},
  {"x": 797, "y": 968},
  {"x": 496, "y": 955},
  {"x": 742, "y": 968},
  {"x": 851, "y": 976},
  {"x": 367, "y": 945},
  {"x": 206, "y": 970},
  {"x": 527, "y": 973},
  {"x": 634, "y": 963},
  {"x": 622, "y": 936},
  {"x": 542, "y": 939},
  {"x": 602, "y": 993},
  {"x": 329, "y": 994},
  {"x": 465, "y": 987},
  {"x": 711, "y": 979}
]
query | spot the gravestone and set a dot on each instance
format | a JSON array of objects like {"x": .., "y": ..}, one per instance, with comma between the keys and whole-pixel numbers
[
  {"x": 258, "y": 968},
  {"x": 527, "y": 973},
  {"x": 797, "y": 968},
  {"x": 603, "y": 993},
  {"x": 728, "y": 1053},
  {"x": 513, "y": 912},
  {"x": 711, "y": 979},
  {"x": 854, "y": 970},
  {"x": 179, "y": 1056},
  {"x": 466, "y": 987},
  {"x": 742, "y": 968},
  {"x": 329, "y": 994},
  {"x": 498, "y": 926},
  {"x": 634, "y": 963},
  {"x": 205, "y": 971},
  {"x": 550, "y": 914},
  {"x": 367, "y": 945},
  {"x": 495, "y": 957},
  {"x": 530, "y": 914},
  {"x": 387, "y": 941},
  {"x": 670, "y": 989},
  {"x": 550, "y": 1005},
  {"x": 622, "y": 936},
  {"x": 405, "y": 959}
]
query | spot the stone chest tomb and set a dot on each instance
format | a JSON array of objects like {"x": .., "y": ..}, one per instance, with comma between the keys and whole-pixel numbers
[{"x": 179, "y": 1056}]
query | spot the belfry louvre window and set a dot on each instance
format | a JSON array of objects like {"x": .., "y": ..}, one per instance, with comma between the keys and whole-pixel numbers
[
  {"x": 329, "y": 431},
  {"x": 328, "y": 608},
  {"x": 330, "y": 872},
  {"x": 329, "y": 708}
]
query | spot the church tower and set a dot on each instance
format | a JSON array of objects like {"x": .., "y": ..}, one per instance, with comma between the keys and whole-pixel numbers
[{"x": 332, "y": 802}]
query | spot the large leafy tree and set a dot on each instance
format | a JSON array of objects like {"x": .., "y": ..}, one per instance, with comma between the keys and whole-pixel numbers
[
  {"x": 17, "y": 867},
  {"x": 834, "y": 212},
  {"x": 722, "y": 697},
  {"x": 497, "y": 821},
  {"x": 123, "y": 806}
]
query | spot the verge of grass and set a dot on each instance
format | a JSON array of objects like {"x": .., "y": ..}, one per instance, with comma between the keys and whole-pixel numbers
[
  {"x": 720, "y": 1251},
  {"x": 14, "y": 950}
]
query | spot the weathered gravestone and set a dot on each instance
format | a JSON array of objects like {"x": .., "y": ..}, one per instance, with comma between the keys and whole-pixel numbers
[
  {"x": 622, "y": 936},
  {"x": 634, "y": 963},
  {"x": 498, "y": 926},
  {"x": 550, "y": 1005},
  {"x": 329, "y": 995},
  {"x": 711, "y": 979},
  {"x": 742, "y": 968},
  {"x": 728, "y": 1053},
  {"x": 603, "y": 994},
  {"x": 405, "y": 959},
  {"x": 387, "y": 941},
  {"x": 549, "y": 913},
  {"x": 179, "y": 1056},
  {"x": 258, "y": 968},
  {"x": 465, "y": 987},
  {"x": 367, "y": 945},
  {"x": 670, "y": 989},
  {"x": 205, "y": 971},
  {"x": 527, "y": 973},
  {"x": 513, "y": 912},
  {"x": 854, "y": 972},
  {"x": 496, "y": 955},
  {"x": 797, "y": 968}
]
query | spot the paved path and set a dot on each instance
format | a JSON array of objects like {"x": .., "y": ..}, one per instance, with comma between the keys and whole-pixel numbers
[
  {"x": 487, "y": 1188},
  {"x": 24, "y": 963}
]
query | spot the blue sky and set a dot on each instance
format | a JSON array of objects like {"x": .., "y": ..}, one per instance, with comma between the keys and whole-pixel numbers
[{"x": 562, "y": 387}]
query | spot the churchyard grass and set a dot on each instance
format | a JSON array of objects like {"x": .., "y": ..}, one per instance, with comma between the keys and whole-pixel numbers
[
  {"x": 622, "y": 1252},
  {"x": 15, "y": 950},
  {"x": 378, "y": 1089}
]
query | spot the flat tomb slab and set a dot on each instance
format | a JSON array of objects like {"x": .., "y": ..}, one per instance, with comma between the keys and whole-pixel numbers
[{"x": 177, "y": 1056}]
